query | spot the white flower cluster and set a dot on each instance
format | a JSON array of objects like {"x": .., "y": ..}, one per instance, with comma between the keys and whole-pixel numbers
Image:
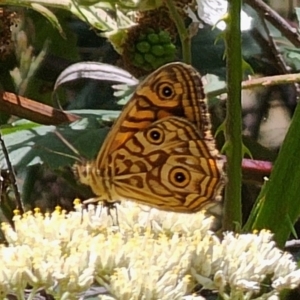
[{"x": 150, "y": 254}]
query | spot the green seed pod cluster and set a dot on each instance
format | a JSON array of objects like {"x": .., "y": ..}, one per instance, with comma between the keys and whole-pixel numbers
[{"x": 153, "y": 50}]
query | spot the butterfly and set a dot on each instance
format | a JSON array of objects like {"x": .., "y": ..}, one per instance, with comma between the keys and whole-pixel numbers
[{"x": 160, "y": 151}]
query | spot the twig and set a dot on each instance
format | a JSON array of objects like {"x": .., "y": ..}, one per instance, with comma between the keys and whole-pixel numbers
[
  {"x": 263, "y": 81},
  {"x": 276, "y": 20},
  {"x": 183, "y": 32},
  {"x": 34, "y": 111},
  {"x": 12, "y": 176},
  {"x": 285, "y": 69}
]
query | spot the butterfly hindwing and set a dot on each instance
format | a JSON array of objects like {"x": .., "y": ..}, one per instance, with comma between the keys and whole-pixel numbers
[{"x": 170, "y": 164}]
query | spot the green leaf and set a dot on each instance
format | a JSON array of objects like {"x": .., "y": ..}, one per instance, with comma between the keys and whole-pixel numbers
[
  {"x": 292, "y": 57},
  {"x": 106, "y": 74},
  {"x": 49, "y": 15},
  {"x": 97, "y": 71},
  {"x": 29, "y": 144}
]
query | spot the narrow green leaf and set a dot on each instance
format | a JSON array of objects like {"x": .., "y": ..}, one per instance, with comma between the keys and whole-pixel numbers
[
  {"x": 281, "y": 193},
  {"x": 50, "y": 17}
]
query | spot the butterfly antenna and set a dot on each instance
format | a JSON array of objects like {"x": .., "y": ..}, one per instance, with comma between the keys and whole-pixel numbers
[
  {"x": 70, "y": 146},
  {"x": 67, "y": 143},
  {"x": 59, "y": 153}
]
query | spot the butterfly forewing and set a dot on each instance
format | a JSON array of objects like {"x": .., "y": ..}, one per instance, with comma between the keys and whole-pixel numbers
[{"x": 175, "y": 89}]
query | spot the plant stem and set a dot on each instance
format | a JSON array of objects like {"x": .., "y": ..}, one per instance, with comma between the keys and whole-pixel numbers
[
  {"x": 12, "y": 176},
  {"x": 233, "y": 120},
  {"x": 183, "y": 32},
  {"x": 263, "y": 81},
  {"x": 276, "y": 20}
]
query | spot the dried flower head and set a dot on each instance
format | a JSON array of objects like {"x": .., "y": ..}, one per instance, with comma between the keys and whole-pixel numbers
[{"x": 8, "y": 20}]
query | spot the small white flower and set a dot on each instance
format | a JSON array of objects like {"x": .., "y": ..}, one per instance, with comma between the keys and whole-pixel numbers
[
  {"x": 193, "y": 298},
  {"x": 290, "y": 281}
]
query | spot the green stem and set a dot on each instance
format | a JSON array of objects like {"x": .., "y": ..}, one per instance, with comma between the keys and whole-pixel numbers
[
  {"x": 182, "y": 31},
  {"x": 32, "y": 294},
  {"x": 233, "y": 121}
]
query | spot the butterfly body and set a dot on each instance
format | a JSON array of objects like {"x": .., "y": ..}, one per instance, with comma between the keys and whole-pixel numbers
[{"x": 160, "y": 151}]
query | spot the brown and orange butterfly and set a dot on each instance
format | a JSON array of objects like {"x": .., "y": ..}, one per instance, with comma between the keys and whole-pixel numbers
[{"x": 160, "y": 151}]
